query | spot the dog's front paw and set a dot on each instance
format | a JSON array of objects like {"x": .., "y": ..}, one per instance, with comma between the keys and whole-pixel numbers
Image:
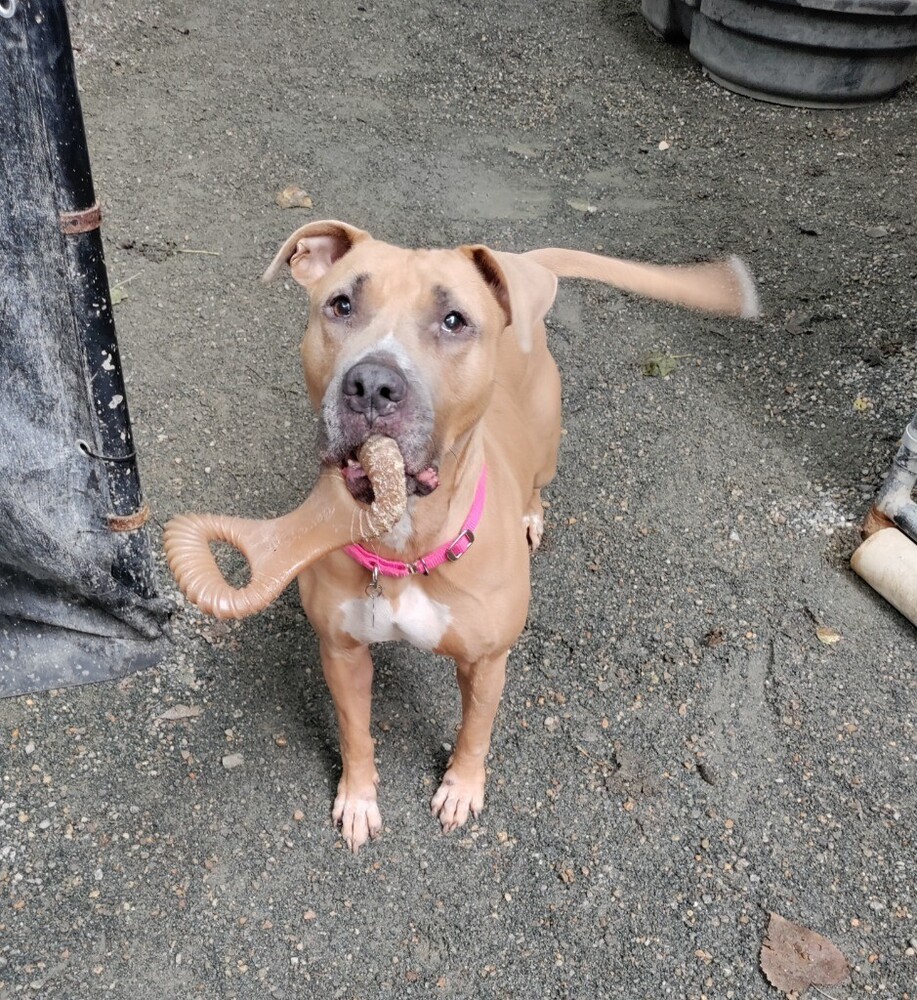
[
  {"x": 459, "y": 794},
  {"x": 356, "y": 812}
]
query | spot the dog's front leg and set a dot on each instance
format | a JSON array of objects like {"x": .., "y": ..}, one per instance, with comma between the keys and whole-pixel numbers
[
  {"x": 349, "y": 675},
  {"x": 462, "y": 789}
]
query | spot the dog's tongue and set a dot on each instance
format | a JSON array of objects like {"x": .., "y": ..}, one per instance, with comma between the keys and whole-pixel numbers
[
  {"x": 428, "y": 478},
  {"x": 353, "y": 471}
]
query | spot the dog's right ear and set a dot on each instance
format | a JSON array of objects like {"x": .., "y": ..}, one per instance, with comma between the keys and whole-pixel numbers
[
  {"x": 312, "y": 249},
  {"x": 524, "y": 289}
]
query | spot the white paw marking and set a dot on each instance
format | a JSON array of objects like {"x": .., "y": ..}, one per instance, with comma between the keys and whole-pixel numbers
[
  {"x": 456, "y": 799},
  {"x": 358, "y": 817},
  {"x": 534, "y": 529}
]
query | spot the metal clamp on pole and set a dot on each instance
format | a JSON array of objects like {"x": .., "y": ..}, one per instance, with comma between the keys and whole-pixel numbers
[{"x": 72, "y": 223}]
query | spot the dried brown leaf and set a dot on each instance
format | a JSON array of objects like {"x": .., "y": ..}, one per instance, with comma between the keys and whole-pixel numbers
[
  {"x": 794, "y": 958},
  {"x": 715, "y": 637},
  {"x": 827, "y": 635},
  {"x": 293, "y": 197}
]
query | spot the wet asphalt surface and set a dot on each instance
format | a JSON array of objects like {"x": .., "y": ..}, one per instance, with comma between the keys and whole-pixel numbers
[{"x": 677, "y": 753}]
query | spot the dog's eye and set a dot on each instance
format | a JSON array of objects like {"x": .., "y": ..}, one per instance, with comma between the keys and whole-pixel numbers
[
  {"x": 453, "y": 322},
  {"x": 341, "y": 306}
]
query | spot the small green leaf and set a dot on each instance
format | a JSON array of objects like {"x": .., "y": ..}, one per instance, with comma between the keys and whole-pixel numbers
[
  {"x": 658, "y": 365},
  {"x": 118, "y": 295}
]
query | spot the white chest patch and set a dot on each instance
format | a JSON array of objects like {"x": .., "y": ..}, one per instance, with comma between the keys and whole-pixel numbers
[{"x": 411, "y": 617}]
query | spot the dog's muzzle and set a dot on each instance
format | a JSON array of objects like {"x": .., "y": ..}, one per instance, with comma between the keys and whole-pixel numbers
[{"x": 377, "y": 396}]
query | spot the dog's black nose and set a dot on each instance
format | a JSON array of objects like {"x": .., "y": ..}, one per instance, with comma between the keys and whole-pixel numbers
[{"x": 374, "y": 389}]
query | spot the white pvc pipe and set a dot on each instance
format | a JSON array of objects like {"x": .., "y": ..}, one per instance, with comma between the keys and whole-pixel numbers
[{"x": 887, "y": 561}]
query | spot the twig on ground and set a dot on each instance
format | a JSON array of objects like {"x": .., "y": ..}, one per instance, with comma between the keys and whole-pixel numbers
[
  {"x": 595, "y": 760},
  {"x": 124, "y": 281}
]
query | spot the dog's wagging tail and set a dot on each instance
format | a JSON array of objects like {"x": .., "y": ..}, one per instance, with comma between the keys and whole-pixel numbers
[{"x": 725, "y": 287}]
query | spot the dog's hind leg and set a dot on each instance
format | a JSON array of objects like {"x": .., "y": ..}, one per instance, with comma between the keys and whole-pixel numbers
[{"x": 545, "y": 416}]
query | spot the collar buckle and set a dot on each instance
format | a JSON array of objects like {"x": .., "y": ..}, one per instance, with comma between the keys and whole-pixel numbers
[
  {"x": 418, "y": 568},
  {"x": 454, "y": 553}
]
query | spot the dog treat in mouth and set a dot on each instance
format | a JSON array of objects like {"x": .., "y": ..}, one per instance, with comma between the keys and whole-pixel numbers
[
  {"x": 278, "y": 549},
  {"x": 383, "y": 464}
]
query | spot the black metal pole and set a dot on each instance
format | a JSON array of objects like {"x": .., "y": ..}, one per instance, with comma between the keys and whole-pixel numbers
[
  {"x": 77, "y": 594},
  {"x": 48, "y": 40}
]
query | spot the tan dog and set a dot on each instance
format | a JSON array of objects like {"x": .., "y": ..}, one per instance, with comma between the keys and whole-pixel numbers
[{"x": 444, "y": 351}]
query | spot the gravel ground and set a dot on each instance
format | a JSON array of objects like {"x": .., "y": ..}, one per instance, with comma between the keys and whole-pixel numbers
[{"x": 677, "y": 753}]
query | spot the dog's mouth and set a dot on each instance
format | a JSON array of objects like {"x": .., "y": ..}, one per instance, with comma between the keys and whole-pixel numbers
[{"x": 421, "y": 482}]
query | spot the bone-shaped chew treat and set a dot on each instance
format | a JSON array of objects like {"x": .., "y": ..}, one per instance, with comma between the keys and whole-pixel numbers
[{"x": 280, "y": 548}]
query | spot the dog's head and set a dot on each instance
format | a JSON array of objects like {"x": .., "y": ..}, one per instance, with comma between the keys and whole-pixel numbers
[{"x": 404, "y": 342}]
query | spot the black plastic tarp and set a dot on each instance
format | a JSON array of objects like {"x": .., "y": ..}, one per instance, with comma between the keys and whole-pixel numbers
[{"x": 77, "y": 598}]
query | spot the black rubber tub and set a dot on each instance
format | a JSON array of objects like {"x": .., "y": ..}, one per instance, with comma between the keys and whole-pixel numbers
[{"x": 815, "y": 53}]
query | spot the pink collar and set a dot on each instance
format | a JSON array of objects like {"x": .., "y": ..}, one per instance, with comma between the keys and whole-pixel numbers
[{"x": 426, "y": 564}]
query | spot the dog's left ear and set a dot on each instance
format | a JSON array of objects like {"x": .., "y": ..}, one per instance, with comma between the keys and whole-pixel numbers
[
  {"x": 524, "y": 288},
  {"x": 313, "y": 248}
]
